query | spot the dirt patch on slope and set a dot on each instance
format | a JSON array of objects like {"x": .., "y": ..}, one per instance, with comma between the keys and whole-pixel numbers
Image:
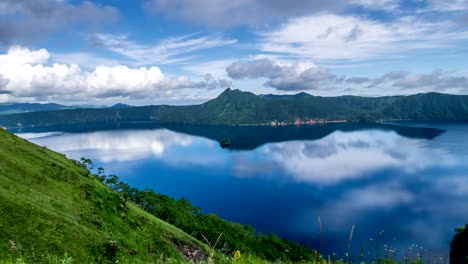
[{"x": 192, "y": 252}]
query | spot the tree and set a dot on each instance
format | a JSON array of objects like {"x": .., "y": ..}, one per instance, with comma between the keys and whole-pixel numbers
[{"x": 459, "y": 246}]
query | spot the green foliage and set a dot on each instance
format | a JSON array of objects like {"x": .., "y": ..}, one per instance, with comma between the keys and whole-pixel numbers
[
  {"x": 222, "y": 235},
  {"x": 53, "y": 211},
  {"x": 459, "y": 246},
  {"x": 234, "y": 107}
]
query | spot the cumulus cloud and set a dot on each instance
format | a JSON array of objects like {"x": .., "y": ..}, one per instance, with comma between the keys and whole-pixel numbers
[
  {"x": 284, "y": 76},
  {"x": 345, "y": 37},
  {"x": 3, "y": 83},
  {"x": 30, "y": 76},
  {"x": 252, "y": 69},
  {"x": 435, "y": 81},
  {"x": 405, "y": 83},
  {"x": 27, "y": 20},
  {"x": 299, "y": 76}
]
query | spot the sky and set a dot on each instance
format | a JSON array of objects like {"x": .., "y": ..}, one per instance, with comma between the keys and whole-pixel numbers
[{"x": 180, "y": 52}]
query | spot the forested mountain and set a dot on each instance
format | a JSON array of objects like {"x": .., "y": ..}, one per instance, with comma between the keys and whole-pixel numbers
[
  {"x": 234, "y": 107},
  {"x": 13, "y": 108}
]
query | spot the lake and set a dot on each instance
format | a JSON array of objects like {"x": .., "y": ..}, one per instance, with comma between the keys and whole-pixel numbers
[{"x": 404, "y": 185}]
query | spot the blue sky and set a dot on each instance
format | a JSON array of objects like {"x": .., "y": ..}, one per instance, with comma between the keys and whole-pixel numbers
[{"x": 182, "y": 51}]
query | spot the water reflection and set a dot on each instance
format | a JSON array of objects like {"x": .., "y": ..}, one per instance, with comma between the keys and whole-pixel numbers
[
  {"x": 415, "y": 188},
  {"x": 342, "y": 156},
  {"x": 110, "y": 146}
]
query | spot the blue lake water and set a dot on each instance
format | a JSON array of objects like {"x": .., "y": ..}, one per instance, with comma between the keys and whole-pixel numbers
[{"x": 406, "y": 186}]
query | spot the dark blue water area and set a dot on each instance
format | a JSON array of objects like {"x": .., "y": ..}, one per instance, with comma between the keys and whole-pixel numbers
[{"x": 405, "y": 190}]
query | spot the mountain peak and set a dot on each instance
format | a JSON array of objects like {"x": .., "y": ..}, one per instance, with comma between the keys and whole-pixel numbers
[
  {"x": 302, "y": 94},
  {"x": 233, "y": 92},
  {"x": 233, "y": 96},
  {"x": 120, "y": 105},
  {"x": 229, "y": 90}
]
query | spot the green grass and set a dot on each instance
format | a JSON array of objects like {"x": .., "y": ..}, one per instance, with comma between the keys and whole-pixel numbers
[{"x": 50, "y": 208}]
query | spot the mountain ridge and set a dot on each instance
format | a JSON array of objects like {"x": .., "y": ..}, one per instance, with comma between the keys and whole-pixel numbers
[
  {"x": 235, "y": 107},
  {"x": 12, "y": 108}
]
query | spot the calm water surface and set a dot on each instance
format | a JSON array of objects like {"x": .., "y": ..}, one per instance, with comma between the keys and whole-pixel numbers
[{"x": 408, "y": 184}]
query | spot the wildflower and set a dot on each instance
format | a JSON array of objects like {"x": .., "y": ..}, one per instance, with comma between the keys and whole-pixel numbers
[{"x": 237, "y": 255}]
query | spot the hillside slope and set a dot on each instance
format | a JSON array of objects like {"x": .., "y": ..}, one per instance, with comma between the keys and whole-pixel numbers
[{"x": 51, "y": 208}]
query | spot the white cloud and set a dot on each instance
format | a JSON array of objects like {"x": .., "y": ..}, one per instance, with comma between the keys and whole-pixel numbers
[
  {"x": 408, "y": 82},
  {"x": 3, "y": 83},
  {"x": 18, "y": 56},
  {"x": 283, "y": 75},
  {"x": 343, "y": 156},
  {"x": 170, "y": 50},
  {"x": 336, "y": 37},
  {"x": 306, "y": 76},
  {"x": 26, "y": 74}
]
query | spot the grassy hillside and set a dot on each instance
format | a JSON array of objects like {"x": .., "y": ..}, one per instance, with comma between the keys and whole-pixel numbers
[
  {"x": 234, "y": 107},
  {"x": 51, "y": 208}
]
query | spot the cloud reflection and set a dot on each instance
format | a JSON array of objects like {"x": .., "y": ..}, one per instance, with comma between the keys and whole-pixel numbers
[
  {"x": 345, "y": 156},
  {"x": 111, "y": 146}
]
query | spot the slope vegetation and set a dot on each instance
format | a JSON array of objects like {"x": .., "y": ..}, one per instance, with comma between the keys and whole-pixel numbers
[{"x": 51, "y": 208}]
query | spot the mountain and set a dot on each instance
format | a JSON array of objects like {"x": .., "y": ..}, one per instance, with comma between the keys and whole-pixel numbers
[
  {"x": 16, "y": 108},
  {"x": 234, "y": 107},
  {"x": 12, "y": 108},
  {"x": 285, "y": 96},
  {"x": 252, "y": 137},
  {"x": 119, "y": 105}
]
